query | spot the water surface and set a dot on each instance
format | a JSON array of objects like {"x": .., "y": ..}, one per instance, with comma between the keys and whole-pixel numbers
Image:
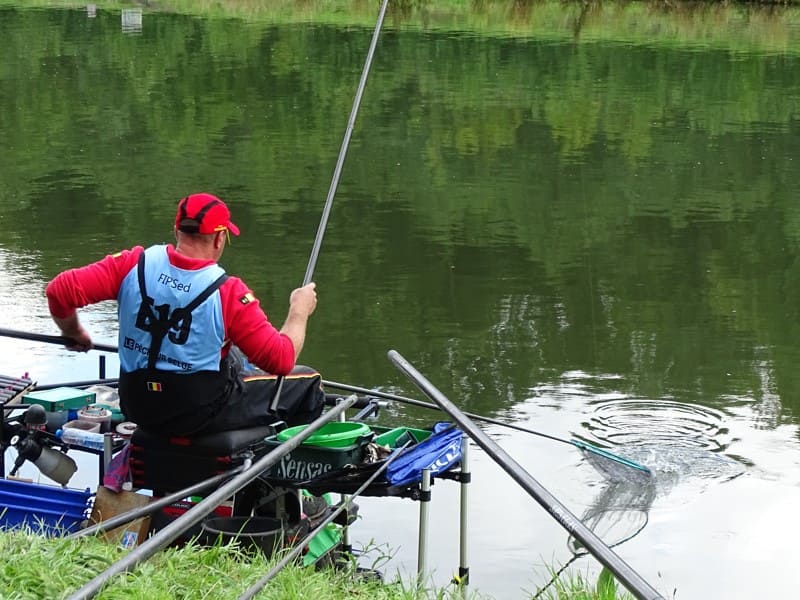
[{"x": 591, "y": 236}]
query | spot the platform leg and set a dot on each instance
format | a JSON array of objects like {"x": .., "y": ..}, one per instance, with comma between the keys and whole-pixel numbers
[
  {"x": 462, "y": 579},
  {"x": 424, "y": 516},
  {"x": 346, "y": 543}
]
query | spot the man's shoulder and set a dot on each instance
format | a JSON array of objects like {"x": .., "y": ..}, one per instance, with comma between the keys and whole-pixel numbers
[
  {"x": 128, "y": 253},
  {"x": 238, "y": 294},
  {"x": 234, "y": 285},
  {"x": 124, "y": 260}
]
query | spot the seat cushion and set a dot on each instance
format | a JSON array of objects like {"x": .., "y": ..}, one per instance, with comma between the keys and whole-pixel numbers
[{"x": 167, "y": 464}]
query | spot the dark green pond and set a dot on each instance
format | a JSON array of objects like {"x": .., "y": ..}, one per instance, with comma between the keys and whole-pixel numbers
[{"x": 593, "y": 238}]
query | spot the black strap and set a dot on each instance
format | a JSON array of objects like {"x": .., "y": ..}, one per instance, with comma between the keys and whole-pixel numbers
[
  {"x": 192, "y": 224},
  {"x": 160, "y": 325}
]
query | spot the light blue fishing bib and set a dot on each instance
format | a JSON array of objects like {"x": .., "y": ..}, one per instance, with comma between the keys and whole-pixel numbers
[{"x": 170, "y": 319}]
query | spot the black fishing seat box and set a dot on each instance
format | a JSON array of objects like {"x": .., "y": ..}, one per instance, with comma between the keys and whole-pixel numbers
[{"x": 167, "y": 464}]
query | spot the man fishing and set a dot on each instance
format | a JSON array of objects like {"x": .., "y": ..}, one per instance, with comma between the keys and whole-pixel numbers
[{"x": 182, "y": 323}]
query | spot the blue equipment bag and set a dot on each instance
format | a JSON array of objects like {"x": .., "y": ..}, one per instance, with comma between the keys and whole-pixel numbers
[{"x": 440, "y": 452}]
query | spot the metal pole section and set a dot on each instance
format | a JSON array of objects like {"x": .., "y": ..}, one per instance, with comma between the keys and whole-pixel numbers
[
  {"x": 108, "y": 450},
  {"x": 413, "y": 402},
  {"x": 424, "y": 510},
  {"x": 196, "y": 514},
  {"x": 326, "y": 211},
  {"x": 345, "y": 499},
  {"x": 323, "y": 223},
  {"x": 2, "y": 439},
  {"x": 16, "y": 383},
  {"x": 621, "y": 570},
  {"x": 50, "y": 339},
  {"x": 466, "y": 476},
  {"x": 111, "y": 382}
]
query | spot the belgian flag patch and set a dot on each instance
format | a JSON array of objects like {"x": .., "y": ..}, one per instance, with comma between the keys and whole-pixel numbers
[
  {"x": 247, "y": 298},
  {"x": 153, "y": 386}
]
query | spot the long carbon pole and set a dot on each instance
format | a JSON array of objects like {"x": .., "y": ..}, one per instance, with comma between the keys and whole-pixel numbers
[
  {"x": 54, "y": 339},
  {"x": 50, "y": 339},
  {"x": 326, "y": 211},
  {"x": 626, "y": 575},
  {"x": 323, "y": 223},
  {"x": 196, "y": 514}
]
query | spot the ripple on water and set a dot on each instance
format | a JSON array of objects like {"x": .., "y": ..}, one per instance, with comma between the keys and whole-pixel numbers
[
  {"x": 635, "y": 422},
  {"x": 682, "y": 445},
  {"x": 671, "y": 438},
  {"x": 675, "y": 440}
]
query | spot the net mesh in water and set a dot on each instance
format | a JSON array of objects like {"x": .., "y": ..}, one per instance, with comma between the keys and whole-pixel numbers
[{"x": 614, "y": 470}]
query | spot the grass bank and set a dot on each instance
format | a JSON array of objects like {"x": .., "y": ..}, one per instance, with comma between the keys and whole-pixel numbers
[
  {"x": 738, "y": 27},
  {"x": 47, "y": 568},
  {"x": 41, "y": 568}
]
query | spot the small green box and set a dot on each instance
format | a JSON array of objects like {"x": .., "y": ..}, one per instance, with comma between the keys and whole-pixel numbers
[
  {"x": 61, "y": 398},
  {"x": 399, "y": 436}
]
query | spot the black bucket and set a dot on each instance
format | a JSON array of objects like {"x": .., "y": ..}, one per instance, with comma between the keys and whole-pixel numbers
[{"x": 253, "y": 533}]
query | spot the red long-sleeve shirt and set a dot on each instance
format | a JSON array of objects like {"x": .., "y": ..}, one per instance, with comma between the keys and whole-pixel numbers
[{"x": 246, "y": 324}]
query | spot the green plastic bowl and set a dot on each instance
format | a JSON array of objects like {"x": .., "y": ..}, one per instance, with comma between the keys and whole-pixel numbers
[{"x": 331, "y": 435}]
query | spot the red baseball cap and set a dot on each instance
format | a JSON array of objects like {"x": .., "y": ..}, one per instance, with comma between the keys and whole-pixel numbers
[{"x": 204, "y": 213}]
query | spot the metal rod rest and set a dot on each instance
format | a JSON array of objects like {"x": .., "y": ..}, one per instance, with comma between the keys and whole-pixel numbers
[
  {"x": 424, "y": 512},
  {"x": 466, "y": 476},
  {"x": 621, "y": 570},
  {"x": 345, "y": 499}
]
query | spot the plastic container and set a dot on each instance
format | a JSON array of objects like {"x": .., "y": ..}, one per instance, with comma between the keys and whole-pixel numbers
[
  {"x": 75, "y": 434},
  {"x": 82, "y": 425},
  {"x": 126, "y": 429},
  {"x": 307, "y": 462},
  {"x": 46, "y": 509},
  {"x": 95, "y": 413},
  {"x": 331, "y": 435},
  {"x": 253, "y": 533},
  {"x": 399, "y": 436}
]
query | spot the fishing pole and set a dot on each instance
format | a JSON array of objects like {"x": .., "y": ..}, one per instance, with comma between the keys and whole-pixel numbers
[
  {"x": 581, "y": 445},
  {"x": 51, "y": 339},
  {"x": 326, "y": 211},
  {"x": 630, "y": 578},
  {"x": 323, "y": 223},
  {"x": 584, "y": 446},
  {"x": 198, "y": 512}
]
